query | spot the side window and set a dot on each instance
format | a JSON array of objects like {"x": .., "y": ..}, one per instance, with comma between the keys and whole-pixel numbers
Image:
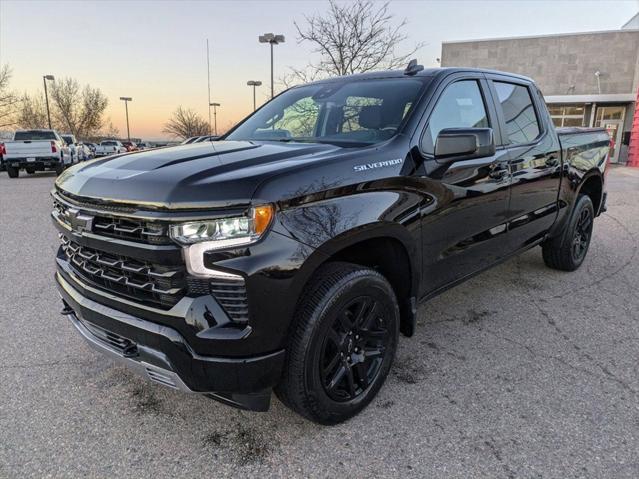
[
  {"x": 522, "y": 125},
  {"x": 460, "y": 106}
]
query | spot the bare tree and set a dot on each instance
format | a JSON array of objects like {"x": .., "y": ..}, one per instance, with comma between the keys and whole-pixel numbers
[
  {"x": 185, "y": 123},
  {"x": 353, "y": 37},
  {"x": 78, "y": 110},
  {"x": 32, "y": 112},
  {"x": 9, "y": 100}
]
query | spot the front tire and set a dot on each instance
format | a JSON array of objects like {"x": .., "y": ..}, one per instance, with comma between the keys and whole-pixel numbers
[
  {"x": 342, "y": 344},
  {"x": 568, "y": 251},
  {"x": 13, "y": 172}
]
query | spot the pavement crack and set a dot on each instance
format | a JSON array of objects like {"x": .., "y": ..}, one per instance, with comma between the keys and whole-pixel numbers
[
  {"x": 616, "y": 271},
  {"x": 608, "y": 375},
  {"x": 46, "y": 364}
]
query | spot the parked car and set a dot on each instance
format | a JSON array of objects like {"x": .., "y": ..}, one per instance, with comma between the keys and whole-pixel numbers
[
  {"x": 84, "y": 152},
  {"x": 291, "y": 256},
  {"x": 143, "y": 145},
  {"x": 72, "y": 143},
  {"x": 35, "y": 150},
  {"x": 130, "y": 146},
  {"x": 91, "y": 146},
  {"x": 109, "y": 147}
]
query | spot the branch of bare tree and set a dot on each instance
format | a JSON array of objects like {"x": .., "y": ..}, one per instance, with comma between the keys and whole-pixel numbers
[
  {"x": 185, "y": 123},
  {"x": 353, "y": 37}
]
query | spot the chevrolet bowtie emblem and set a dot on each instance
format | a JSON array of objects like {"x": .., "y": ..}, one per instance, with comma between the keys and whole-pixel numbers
[{"x": 77, "y": 221}]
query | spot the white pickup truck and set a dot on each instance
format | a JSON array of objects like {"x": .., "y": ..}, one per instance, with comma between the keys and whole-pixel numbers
[
  {"x": 36, "y": 150},
  {"x": 110, "y": 147}
]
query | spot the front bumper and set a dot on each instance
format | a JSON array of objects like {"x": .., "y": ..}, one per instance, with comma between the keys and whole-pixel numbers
[{"x": 163, "y": 355}]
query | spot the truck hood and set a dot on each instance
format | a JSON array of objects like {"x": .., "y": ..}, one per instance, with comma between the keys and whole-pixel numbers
[{"x": 205, "y": 175}]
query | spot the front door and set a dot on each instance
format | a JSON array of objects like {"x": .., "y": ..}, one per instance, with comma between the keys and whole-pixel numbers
[
  {"x": 613, "y": 127},
  {"x": 464, "y": 228}
]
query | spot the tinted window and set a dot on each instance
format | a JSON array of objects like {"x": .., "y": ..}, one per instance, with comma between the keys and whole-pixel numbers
[
  {"x": 108, "y": 143},
  {"x": 519, "y": 114},
  {"x": 34, "y": 135},
  {"x": 460, "y": 106}
]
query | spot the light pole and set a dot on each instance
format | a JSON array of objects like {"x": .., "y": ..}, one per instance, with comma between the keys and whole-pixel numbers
[
  {"x": 215, "y": 105},
  {"x": 126, "y": 100},
  {"x": 254, "y": 83},
  {"x": 46, "y": 95},
  {"x": 273, "y": 40}
]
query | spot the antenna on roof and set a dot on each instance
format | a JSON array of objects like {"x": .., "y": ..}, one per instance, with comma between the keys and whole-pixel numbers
[{"x": 413, "y": 67}]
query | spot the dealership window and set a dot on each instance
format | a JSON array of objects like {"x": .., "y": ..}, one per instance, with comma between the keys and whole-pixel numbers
[
  {"x": 567, "y": 115},
  {"x": 519, "y": 113},
  {"x": 609, "y": 113}
]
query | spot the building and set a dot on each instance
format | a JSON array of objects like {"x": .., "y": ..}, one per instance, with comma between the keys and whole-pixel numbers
[{"x": 588, "y": 79}]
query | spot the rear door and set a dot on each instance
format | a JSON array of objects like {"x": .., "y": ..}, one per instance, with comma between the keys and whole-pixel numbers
[
  {"x": 534, "y": 158},
  {"x": 464, "y": 225}
]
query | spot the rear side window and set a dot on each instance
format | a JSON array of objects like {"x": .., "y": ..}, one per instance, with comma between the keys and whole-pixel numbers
[
  {"x": 460, "y": 106},
  {"x": 522, "y": 125},
  {"x": 34, "y": 135}
]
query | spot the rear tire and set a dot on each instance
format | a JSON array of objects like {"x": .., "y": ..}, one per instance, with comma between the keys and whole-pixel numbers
[
  {"x": 567, "y": 251},
  {"x": 341, "y": 345},
  {"x": 13, "y": 172},
  {"x": 59, "y": 168}
]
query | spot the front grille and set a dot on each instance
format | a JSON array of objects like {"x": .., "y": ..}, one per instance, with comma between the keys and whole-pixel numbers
[
  {"x": 130, "y": 229},
  {"x": 159, "y": 285},
  {"x": 127, "y": 228}
]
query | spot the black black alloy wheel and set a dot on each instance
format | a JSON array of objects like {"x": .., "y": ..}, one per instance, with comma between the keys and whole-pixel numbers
[
  {"x": 567, "y": 250},
  {"x": 581, "y": 237},
  {"x": 353, "y": 350},
  {"x": 342, "y": 343}
]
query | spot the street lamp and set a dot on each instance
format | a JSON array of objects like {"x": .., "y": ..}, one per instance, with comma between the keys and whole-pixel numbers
[
  {"x": 126, "y": 100},
  {"x": 273, "y": 40},
  {"x": 215, "y": 105},
  {"x": 46, "y": 95},
  {"x": 254, "y": 83}
]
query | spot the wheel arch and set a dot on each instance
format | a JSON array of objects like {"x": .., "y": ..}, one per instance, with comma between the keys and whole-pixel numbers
[
  {"x": 592, "y": 186},
  {"x": 386, "y": 248}
]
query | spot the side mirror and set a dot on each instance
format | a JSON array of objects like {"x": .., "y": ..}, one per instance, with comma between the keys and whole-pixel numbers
[{"x": 455, "y": 144}]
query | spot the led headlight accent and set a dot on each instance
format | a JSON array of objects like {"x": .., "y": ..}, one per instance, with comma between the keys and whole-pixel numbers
[
  {"x": 199, "y": 237},
  {"x": 225, "y": 230}
]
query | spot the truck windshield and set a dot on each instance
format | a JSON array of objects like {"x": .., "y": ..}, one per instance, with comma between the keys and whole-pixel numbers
[
  {"x": 348, "y": 113},
  {"x": 34, "y": 135}
]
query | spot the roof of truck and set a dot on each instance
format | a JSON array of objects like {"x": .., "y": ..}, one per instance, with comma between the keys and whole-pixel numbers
[{"x": 426, "y": 72}]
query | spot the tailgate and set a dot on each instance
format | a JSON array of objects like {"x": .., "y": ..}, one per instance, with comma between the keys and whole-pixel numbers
[{"x": 28, "y": 148}]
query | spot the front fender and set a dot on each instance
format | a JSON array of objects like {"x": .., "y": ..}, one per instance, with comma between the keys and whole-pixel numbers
[{"x": 333, "y": 224}]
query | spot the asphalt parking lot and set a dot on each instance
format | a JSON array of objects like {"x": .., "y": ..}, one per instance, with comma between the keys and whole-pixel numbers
[{"x": 521, "y": 372}]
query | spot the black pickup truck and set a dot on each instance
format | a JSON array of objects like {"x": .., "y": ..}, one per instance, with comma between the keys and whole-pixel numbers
[{"x": 290, "y": 254}]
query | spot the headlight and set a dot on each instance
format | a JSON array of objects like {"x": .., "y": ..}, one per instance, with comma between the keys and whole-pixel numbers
[
  {"x": 225, "y": 231},
  {"x": 198, "y": 237}
]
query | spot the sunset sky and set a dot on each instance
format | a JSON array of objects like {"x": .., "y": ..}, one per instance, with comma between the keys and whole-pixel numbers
[{"x": 155, "y": 51}]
